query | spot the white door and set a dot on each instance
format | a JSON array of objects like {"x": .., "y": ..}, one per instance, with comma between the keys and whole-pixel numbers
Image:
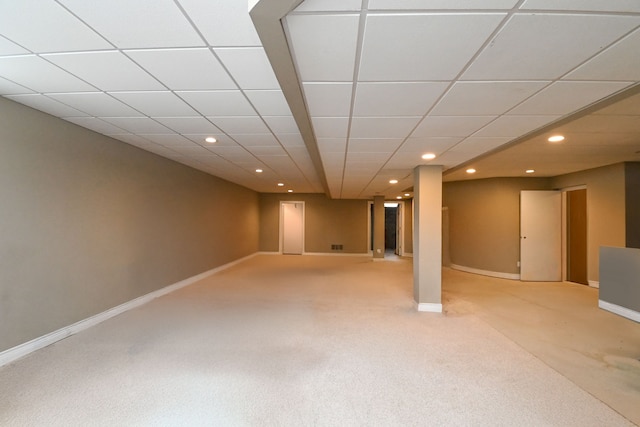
[
  {"x": 292, "y": 227},
  {"x": 540, "y": 236}
]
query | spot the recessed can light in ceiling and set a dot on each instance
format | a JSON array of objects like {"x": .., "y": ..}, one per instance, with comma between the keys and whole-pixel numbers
[
  {"x": 428, "y": 156},
  {"x": 393, "y": 181},
  {"x": 556, "y": 138},
  {"x": 259, "y": 170},
  {"x": 529, "y": 171},
  {"x": 471, "y": 170},
  {"x": 399, "y": 197},
  {"x": 210, "y": 140},
  {"x": 280, "y": 184},
  {"x": 289, "y": 191}
]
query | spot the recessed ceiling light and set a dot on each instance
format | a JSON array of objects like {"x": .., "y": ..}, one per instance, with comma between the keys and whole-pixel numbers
[
  {"x": 556, "y": 138},
  {"x": 280, "y": 184},
  {"x": 210, "y": 139},
  {"x": 399, "y": 197},
  {"x": 428, "y": 156},
  {"x": 289, "y": 191},
  {"x": 471, "y": 170},
  {"x": 406, "y": 194},
  {"x": 259, "y": 170},
  {"x": 530, "y": 171},
  {"x": 393, "y": 181}
]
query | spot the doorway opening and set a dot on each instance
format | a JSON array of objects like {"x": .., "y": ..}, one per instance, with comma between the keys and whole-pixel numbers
[
  {"x": 391, "y": 228},
  {"x": 576, "y": 236}
]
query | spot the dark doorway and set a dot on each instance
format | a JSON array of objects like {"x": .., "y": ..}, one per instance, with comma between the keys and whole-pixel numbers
[
  {"x": 577, "y": 236},
  {"x": 390, "y": 227}
]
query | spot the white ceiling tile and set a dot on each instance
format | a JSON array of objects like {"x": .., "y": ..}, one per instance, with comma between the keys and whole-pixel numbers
[
  {"x": 619, "y": 62},
  {"x": 281, "y": 124},
  {"x": 192, "y": 125},
  {"x": 221, "y": 139},
  {"x": 167, "y": 139},
  {"x": 291, "y": 139},
  {"x": 382, "y": 127},
  {"x": 332, "y": 145},
  {"x": 269, "y": 102},
  {"x": 184, "y": 69},
  {"x": 96, "y": 125},
  {"x": 484, "y": 98},
  {"x": 249, "y": 66},
  {"x": 436, "y": 145},
  {"x": 233, "y": 153},
  {"x": 476, "y": 145},
  {"x": 439, "y": 4},
  {"x": 219, "y": 103},
  {"x": 48, "y": 105},
  {"x": 584, "y": 5},
  {"x": 328, "y": 99},
  {"x": 330, "y": 127},
  {"x": 451, "y": 125},
  {"x": 396, "y": 99},
  {"x": 107, "y": 71},
  {"x": 97, "y": 104},
  {"x": 521, "y": 49},
  {"x": 240, "y": 125},
  {"x": 138, "y": 125},
  {"x": 156, "y": 104},
  {"x": 236, "y": 29},
  {"x": 19, "y": 19},
  {"x": 28, "y": 71},
  {"x": 267, "y": 150},
  {"x": 7, "y": 47},
  {"x": 138, "y": 24},
  {"x": 514, "y": 126},
  {"x": 566, "y": 97},
  {"x": 380, "y": 145},
  {"x": 322, "y": 55},
  {"x": 10, "y": 88},
  {"x": 386, "y": 58},
  {"x": 248, "y": 140},
  {"x": 131, "y": 139},
  {"x": 329, "y": 5}
]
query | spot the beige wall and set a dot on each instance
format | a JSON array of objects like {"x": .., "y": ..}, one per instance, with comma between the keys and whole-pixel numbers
[
  {"x": 327, "y": 222},
  {"x": 88, "y": 223},
  {"x": 484, "y": 221},
  {"x": 605, "y": 209},
  {"x": 408, "y": 226}
]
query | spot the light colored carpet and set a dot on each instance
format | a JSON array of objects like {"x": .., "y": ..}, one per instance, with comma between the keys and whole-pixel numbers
[{"x": 286, "y": 340}]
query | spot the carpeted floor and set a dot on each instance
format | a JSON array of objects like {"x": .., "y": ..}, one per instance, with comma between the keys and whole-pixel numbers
[{"x": 290, "y": 340}]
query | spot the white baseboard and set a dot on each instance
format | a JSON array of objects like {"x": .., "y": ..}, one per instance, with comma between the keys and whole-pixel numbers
[
  {"x": 407, "y": 254},
  {"x": 497, "y": 274},
  {"x": 335, "y": 254},
  {"x": 429, "y": 307},
  {"x": 594, "y": 284},
  {"x": 619, "y": 310},
  {"x": 24, "y": 349}
]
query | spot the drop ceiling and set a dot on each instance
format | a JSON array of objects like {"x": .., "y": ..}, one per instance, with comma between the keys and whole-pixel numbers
[{"x": 337, "y": 96}]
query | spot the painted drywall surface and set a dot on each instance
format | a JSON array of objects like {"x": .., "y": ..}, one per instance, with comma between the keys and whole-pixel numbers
[
  {"x": 87, "y": 223},
  {"x": 620, "y": 268},
  {"x": 632, "y": 204},
  {"x": 408, "y": 226},
  {"x": 327, "y": 222},
  {"x": 605, "y": 209},
  {"x": 484, "y": 221}
]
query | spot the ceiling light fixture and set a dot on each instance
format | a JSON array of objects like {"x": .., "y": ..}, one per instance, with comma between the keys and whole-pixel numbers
[
  {"x": 210, "y": 140},
  {"x": 399, "y": 197},
  {"x": 393, "y": 181},
  {"x": 280, "y": 184},
  {"x": 471, "y": 170},
  {"x": 289, "y": 191},
  {"x": 529, "y": 171},
  {"x": 556, "y": 138},
  {"x": 406, "y": 194},
  {"x": 428, "y": 156},
  {"x": 259, "y": 170}
]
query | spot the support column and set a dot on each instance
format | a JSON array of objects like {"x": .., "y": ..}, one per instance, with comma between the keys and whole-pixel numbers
[
  {"x": 378, "y": 227},
  {"x": 427, "y": 238}
]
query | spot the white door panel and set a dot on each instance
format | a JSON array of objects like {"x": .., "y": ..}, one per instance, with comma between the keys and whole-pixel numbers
[
  {"x": 292, "y": 228},
  {"x": 540, "y": 236}
]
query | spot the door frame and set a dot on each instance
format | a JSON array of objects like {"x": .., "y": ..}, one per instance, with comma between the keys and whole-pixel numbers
[
  {"x": 399, "y": 221},
  {"x": 281, "y": 225}
]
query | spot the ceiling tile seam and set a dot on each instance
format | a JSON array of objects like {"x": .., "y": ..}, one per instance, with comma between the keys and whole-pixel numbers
[
  {"x": 17, "y": 44},
  {"x": 487, "y": 42},
  {"x": 362, "y": 23}
]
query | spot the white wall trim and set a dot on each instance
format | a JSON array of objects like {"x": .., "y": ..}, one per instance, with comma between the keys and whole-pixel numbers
[
  {"x": 594, "y": 284},
  {"x": 22, "y": 350},
  {"x": 497, "y": 274},
  {"x": 407, "y": 254},
  {"x": 429, "y": 307},
  {"x": 621, "y": 311},
  {"x": 336, "y": 254}
]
